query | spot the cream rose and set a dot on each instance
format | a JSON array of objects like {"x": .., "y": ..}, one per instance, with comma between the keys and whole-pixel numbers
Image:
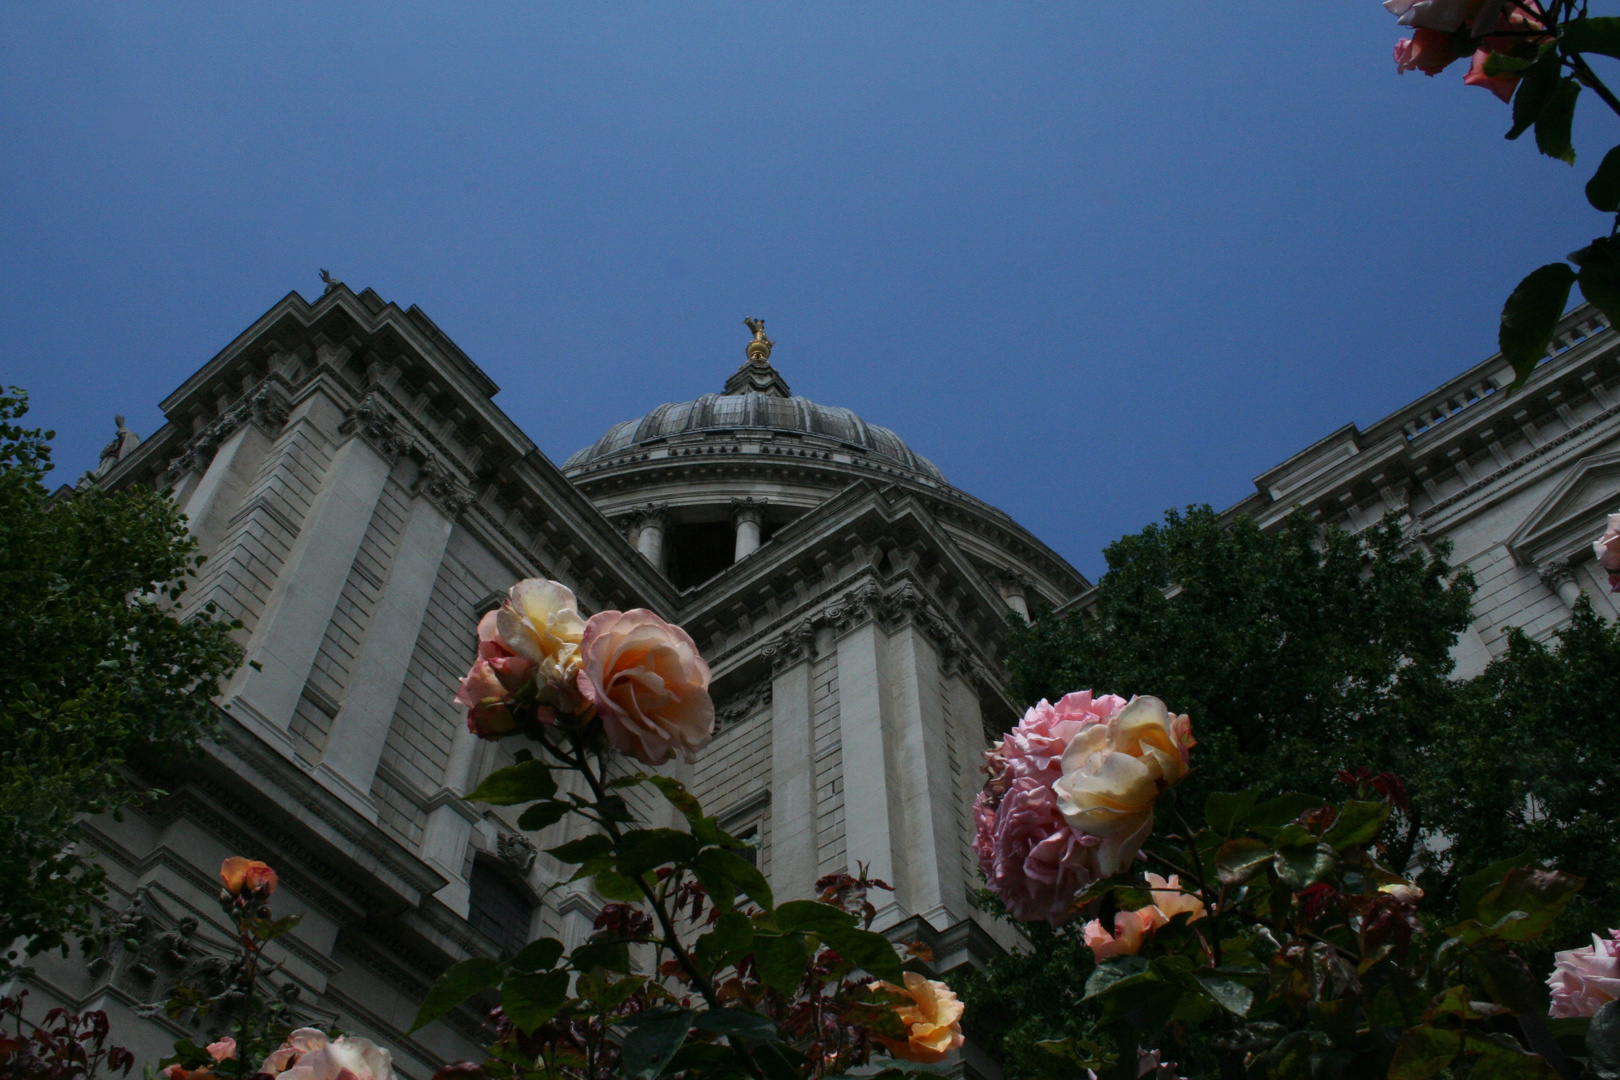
[
  {"x": 1607, "y": 550},
  {"x": 540, "y": 622},
  {"x": 1172, "y": 900},
  {"x": 933, "y": 1020},
  {"x": 1113, "y": 773},
  {"x": 309, "y": 1055},
  {"x": 648, "y": 684}
]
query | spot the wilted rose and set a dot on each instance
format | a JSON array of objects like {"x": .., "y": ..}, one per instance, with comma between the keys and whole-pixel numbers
[
  {"x": 1607, "y": 550},
  {"x": 647, "y": 683},
  {"x": 1585, "y": 979},
  {"x": 309, "y": 1055},
  {"x": 933, "y": 1020},
  {"x": 246, "y": 876},
  {"x": 1428, "y": 51}
]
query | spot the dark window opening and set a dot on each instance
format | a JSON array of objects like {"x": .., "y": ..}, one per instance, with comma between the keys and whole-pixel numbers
[
  {"x": 698, "y": 551},
  {"x": 750, "y": 845},
  {"x": 499, "y": 910}
]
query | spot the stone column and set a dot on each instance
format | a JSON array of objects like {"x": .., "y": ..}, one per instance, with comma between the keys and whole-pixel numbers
[
  {"x": 921, "y": 797},
  {"x": 794, "y": 858},
  {"x": 1559, "y": 576},
  {"x": 650, "y": 540},
  {"x": 300, "y": 606},
  {"x": 746, "y": 515},
  {"x": 355, "y": 742},
  {"x": 219, "y": 492},
  {"x": 868, "y": 834},
  {"x": 1013, "y": 592}
]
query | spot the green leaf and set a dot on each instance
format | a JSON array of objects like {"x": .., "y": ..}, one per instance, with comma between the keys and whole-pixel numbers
[
  {"x": 1600, "y": 274},
  {"x": 1232, "y": 996},
  {"x": 460, "y": 982},
  {"x": 653, "y": 1041},
  {"x": 1531, "y": 315},
  {"x": 538, "y": 955},
  {"x": 719, "y": 862},
  {"x": 581, "y": 850},
  {"x": 1554, "y": 123},
  {"x": 712, "y": 876},
  {"x": 542, "y": 814},
  {"x": 781, "y": 959},
  {"x": 1540, "y": 894},
  {"x": 1358, "y": 823},
  {"x": 1594, "y": 34},
  {"x": 1502, "y": 64},
  {"x": 678, "y": 796},
  {"x": 1240, "y": 859},
  {"x": 1603, "y": 1041},
  {"x": 531, "y": 1000},
  {"x": 1537, "y": 88},
  {"x": 643, "y": 849},
  {"x": 1304, "y": 865},
  {"x": 1226, "y": 810},
  {"x": 524, "y": 782},
  {"x": 733, "y": 1023},
  {"x": 1603, "y": 190},
  {"x": 1509, "y": 982},
  {"x": 1283, "y": 809},
  {"x": 1110, "y": 972},
  {"x": 871, "y": 951},
  {"x": 601, "y": 951},
  {"x": 732, "y": 936},
  {"x": 612, "y": 885},
  {"x": 1423, "y": 1052},
  {"x": 1477, "y": 884},
  {"x": 813, "y": 916}
]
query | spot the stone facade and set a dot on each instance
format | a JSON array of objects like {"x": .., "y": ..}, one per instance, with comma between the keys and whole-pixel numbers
[{"x": 362, "y": 501}]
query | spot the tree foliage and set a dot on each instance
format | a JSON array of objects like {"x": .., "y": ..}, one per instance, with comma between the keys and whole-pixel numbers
[
  {"x": 1297, "y": 653},
  {"x": 94, "y": 670}
]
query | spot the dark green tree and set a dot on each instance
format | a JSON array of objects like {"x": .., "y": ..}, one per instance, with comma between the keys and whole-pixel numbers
[
  {"x": 95, "y": 671},
  {"x": 1296, "y": 652},
  {"x": 1528, "y": 764}
]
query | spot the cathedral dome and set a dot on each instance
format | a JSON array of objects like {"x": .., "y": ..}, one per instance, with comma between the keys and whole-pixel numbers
[{"x": 727, "y": 414}]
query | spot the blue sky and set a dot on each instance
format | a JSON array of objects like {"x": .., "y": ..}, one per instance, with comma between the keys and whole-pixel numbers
[{"x": 1095, "y": 260}]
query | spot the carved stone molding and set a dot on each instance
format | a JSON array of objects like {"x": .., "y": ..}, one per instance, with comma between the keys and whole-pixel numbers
[
  {"x": 516, "y": 851},
  {"x": 794, "y": 645},
  {"x": 380, "y": 428},
  {"x": 1555, "y": 573},
  {"x": 741, "y": 706},
  {"x": 265, "y": 405},
  {"x": 438, "y": 483},
  {"x": 655, "y": 514}
]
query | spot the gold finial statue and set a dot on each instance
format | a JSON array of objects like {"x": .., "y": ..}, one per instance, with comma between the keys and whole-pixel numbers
[{"x": 760, "y": 348}]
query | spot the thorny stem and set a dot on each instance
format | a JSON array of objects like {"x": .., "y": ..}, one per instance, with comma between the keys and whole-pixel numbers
[
  {"x": 1589, "y": 79},
  {"x": 1203, "y": 888}
]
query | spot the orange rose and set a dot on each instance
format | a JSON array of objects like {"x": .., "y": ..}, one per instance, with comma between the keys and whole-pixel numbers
[
  {"x": 933, "y": 1020},
  {"x": 243, "y": 875},
  {"x": 648, "y": 684}
]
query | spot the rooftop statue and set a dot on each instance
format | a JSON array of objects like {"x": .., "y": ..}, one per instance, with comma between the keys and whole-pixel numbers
[{"x": 760, "y": 348}]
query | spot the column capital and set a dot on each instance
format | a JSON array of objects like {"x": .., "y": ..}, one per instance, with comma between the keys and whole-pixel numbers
[
  {"x": 438, "y": 484},
  {"x": 380, "y": 428},
  {"x": 655, "y": 514},
  {"x": 747, "y": 509},
  {"x": 264, "y": 405},
  {"x": 794, "y": 645},
  {"x": 1555, "y": 572}
]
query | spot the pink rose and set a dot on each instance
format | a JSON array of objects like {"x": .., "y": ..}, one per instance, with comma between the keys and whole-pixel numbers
[
  {"x": 1035, "y": 747},
  {"x": 1428, "y": 51},
  {"x": 225, "y": 1048},
  {"x": 647, "y": 683},
  {"x": 984, "y": 832},
  {"x": 1500, "y": 85},
  {"x": 1607, "y": 550},
  {"x": 1038, "y": 863},
  {"x": 1131, "y": 929},
  {"x": 496, "y": 676},
  {"x": 1586, "y": 978},
  {"x": 309, "y": 1055}
]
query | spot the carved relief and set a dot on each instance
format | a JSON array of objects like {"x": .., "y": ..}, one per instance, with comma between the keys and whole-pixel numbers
[
  {"x": 380, "y": 428},
  {"x": 438, "y": 484},
  {"x": 744, "y": 705},
  {"x": 516, "y": 850},
  {"x": 265, "y": 406}
]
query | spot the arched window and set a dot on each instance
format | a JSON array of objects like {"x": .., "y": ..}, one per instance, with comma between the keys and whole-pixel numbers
[{"x": 499, "y": 909}]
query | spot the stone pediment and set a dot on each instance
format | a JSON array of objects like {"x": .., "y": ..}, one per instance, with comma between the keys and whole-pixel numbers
[{"x": 1572, "y": 515}]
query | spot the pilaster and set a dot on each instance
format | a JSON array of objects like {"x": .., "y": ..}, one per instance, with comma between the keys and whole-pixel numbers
[{"x": 794, "y": 858}]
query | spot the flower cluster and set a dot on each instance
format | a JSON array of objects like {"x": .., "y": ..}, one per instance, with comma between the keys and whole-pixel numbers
[
  {"x": 1070, "y": 797},
  {"x": 1444, "y": 31},
  {"x": 1585, "y": 979},
  {"x": 1131, "y": 928},
  {"x": 1607, "y": 550},
  {"x": 933, "y": 1020},
  {"x": 309, "y": 1055},
  {"x": 539, "y": 660}
]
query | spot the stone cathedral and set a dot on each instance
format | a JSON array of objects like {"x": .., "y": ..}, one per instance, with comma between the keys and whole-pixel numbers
[{"x": 362, "y": 501}]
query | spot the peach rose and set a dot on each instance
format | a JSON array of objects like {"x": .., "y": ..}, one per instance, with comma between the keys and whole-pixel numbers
[
  {"x": 1131, "y": 928},
  {"x": 309, "y": 1055},
  {"x": 225, "y": 1048},
  {"x": 244, "y": 875},
  {"x": 1172, "y": 900},
  {"x": 647, "y": 683},
  {"x": 1428, "y": 51},
  {"x": 933, "y": 1020},
  {"x": 1113, "y": 773},
  {"x": 1607, "y": 550}
]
